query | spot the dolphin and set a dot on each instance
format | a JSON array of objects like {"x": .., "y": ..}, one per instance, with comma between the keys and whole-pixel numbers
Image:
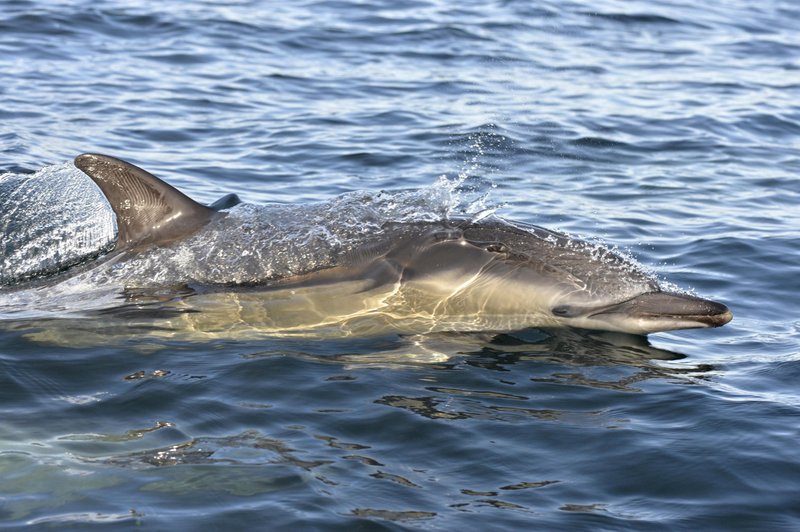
[{"x": 452, "y": 275}]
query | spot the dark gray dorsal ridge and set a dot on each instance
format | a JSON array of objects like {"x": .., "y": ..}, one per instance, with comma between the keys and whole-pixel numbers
[{"x": 149, "y": 211}]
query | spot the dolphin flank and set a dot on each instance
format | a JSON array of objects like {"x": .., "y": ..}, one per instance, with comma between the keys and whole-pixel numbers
[{"x": 416, "y": 277}]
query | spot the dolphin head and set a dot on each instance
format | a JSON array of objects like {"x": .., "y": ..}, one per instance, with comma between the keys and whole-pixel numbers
[
  {"x": 645, "y": 313},
  {"x": 551, "y": 279}
]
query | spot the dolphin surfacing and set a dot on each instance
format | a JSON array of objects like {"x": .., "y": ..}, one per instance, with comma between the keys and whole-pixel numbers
[{"x": 452, "y": 275}]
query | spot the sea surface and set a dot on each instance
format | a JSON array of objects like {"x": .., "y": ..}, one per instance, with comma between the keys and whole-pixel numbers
[{"x": 669, "y": 130}]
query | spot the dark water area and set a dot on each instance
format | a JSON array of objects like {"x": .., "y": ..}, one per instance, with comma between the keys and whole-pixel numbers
[{"x": 671, "y": 130}]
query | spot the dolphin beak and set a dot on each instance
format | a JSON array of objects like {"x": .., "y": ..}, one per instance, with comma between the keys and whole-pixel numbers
[{"x": 663, "y": 311}]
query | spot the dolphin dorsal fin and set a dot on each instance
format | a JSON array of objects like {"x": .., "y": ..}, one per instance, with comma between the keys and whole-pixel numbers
[{"x": 149, "y": 211}]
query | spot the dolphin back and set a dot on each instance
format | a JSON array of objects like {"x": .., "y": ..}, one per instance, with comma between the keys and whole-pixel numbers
[{"x": 148, "y": 210}]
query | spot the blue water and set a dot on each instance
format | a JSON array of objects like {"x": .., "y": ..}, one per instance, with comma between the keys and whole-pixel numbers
[{"x": 671, "y": 130}]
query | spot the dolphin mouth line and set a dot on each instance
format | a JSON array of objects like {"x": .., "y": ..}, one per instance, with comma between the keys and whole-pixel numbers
[{"x": 705, "y": 320}]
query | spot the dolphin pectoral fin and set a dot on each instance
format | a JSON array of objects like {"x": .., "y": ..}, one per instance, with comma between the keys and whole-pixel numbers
[{"x": 148, "y": 210}]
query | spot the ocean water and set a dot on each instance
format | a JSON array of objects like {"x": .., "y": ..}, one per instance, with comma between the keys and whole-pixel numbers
[{"x": 669, "y": 130}]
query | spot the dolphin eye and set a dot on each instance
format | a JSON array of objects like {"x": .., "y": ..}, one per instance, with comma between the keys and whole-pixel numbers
[
  {"x": 564, "y": 311},
  {"x": 496, "y": 247}
]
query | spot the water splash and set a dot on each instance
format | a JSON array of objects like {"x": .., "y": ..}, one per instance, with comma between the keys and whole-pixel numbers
[
  {"x": 471, "y": 188},
  {"x": 51, "y": 220},
  {"x": 257, "y": 243},
  {"x": 57, "y": 218}
]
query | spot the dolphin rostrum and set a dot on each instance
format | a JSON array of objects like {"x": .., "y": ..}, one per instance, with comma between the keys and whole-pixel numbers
[{"x": 450, "y": 275}]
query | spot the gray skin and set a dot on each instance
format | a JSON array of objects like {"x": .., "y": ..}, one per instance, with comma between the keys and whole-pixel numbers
[{"x": 452, "y": 275}]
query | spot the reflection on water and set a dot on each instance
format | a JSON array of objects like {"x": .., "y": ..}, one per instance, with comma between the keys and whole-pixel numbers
[{"x": 505, "y": 380}]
